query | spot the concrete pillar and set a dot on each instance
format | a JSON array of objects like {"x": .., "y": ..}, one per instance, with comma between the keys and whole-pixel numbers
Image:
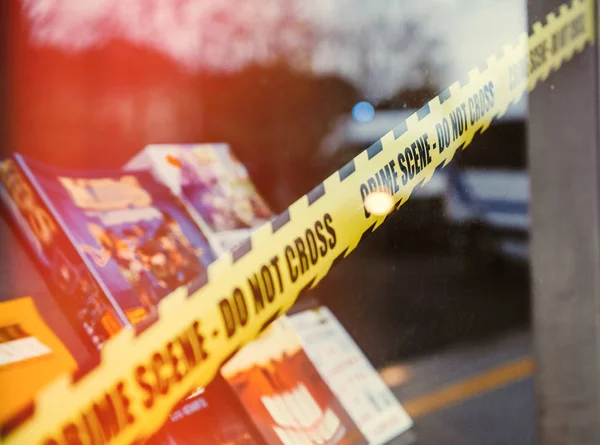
[{"x": 564, "y": 161}]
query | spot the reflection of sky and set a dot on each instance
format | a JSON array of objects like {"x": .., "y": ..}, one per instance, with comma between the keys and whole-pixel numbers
[{"x": 380, "y": 45}]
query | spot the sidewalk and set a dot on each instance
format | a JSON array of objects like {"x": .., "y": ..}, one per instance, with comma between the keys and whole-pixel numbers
[{"x": 474, "y": 394}]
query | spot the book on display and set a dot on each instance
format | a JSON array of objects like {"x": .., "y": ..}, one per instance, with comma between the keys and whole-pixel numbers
[
  {"x": 213, "y": 183},
  {"x": 112, "y": 244}
]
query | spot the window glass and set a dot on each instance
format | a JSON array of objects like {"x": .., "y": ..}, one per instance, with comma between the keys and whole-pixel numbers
[{"x": 221, "y": 140}]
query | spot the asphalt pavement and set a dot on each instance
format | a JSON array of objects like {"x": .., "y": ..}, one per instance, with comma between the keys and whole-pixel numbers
[{"x": 478, "y": 392}]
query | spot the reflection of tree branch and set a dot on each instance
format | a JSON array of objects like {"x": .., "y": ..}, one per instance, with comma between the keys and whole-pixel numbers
[{"x": 228, "y": 35}]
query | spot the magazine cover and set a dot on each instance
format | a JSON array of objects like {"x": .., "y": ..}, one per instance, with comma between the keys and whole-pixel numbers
[
  {"x": 350, "y": 375},
  {"x": 77, "y": 292},
  {"x": 134, "y": 236},
  {"x": 284, "y": 395},
  {"x": 210, "y": 416},
  {"x": 213, "y": 183},
  {"x": 31, "y": 356}
]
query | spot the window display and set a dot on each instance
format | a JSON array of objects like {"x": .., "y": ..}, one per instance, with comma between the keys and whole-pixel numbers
[{"x": 188, "y": 175}]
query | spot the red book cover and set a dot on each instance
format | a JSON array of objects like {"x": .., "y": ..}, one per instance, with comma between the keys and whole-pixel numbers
[
  {"x": 209, "y": 416},
  {"x": 284, "y": 395}
]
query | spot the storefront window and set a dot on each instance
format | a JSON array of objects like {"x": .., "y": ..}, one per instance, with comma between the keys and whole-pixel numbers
[{"x": 290, "y": 222}]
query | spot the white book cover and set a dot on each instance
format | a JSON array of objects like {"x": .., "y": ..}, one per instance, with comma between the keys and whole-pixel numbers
[{"x": 350, "y": 375}]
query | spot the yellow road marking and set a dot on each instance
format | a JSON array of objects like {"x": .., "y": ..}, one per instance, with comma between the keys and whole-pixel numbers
[{"x": 471, "y": 387}]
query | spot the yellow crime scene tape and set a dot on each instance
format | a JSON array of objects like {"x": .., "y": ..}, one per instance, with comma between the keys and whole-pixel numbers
[{"x": 141, "y": 376}]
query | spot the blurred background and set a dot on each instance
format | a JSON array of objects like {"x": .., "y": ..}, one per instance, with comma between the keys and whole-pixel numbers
[
  {"x": 298, "y": 87},
  {"x": 271, "y": 78}
]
